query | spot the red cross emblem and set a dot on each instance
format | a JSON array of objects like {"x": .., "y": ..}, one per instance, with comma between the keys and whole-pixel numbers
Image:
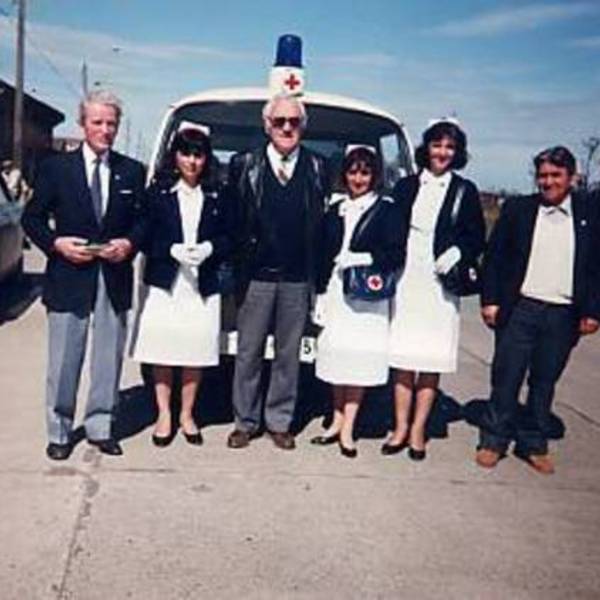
[
  {"x": 375, "y": 282},
  {"x": 292, "y": 81}
]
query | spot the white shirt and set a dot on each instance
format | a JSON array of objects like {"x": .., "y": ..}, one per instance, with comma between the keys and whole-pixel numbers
[
  {"x": 549, "y": 275},
  {"x": 429, "y": 200},
  {"x": 279, "y": 163},
  {"x": 191, "y": 200},
  {"x": 89, "y": 158},
  {"x": 352, "y": 209}
]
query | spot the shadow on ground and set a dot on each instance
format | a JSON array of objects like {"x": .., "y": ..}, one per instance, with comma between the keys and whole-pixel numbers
[
  {"x": 473, "y": 414},
  {"x": 137, "y": 409}
]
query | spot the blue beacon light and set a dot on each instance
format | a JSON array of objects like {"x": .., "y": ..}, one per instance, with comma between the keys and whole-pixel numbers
[{"x": 289, "y": 51}]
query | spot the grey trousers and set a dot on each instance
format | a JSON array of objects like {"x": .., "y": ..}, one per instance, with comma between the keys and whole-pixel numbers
[
  {"x": 285, "y": 304},
  {"x": 67, "y": 341}
]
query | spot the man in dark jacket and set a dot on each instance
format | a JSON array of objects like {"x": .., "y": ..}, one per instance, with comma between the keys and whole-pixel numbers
[
  {"x": 87, "y": 215},
  {"x": 279, "y": 192},
  {"x": 541, "y": 291}
]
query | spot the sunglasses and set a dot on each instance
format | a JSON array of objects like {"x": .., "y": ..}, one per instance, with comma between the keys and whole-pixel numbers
[{"x": 279, "y": 122}]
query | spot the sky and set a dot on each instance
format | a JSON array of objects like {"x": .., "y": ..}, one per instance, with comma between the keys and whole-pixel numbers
[{"x": 519, "y": 75}]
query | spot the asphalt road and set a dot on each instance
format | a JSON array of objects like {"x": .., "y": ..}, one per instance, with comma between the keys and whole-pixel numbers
[{"x": 209, "y": 522}]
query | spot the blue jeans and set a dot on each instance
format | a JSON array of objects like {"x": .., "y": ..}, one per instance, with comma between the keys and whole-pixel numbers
[{"x": 538, "y": 338}]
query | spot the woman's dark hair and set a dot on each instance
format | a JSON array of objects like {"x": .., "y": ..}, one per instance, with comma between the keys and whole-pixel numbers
[
  {"x": 559, "y": 156},
  {"x": 435, "y": 133},
  {"x": 362, "y": 157},
  {"x": 185, "y": 141}
]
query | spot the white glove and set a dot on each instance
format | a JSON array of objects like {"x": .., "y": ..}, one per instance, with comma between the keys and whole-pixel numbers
[
  {"x": 319, "y": 311},
  {"x": 177, "y": 251},
  {"x": 354, "y": 259},
  {"x": 446, "y": 260},
  {"x": 192, "y": 255}
]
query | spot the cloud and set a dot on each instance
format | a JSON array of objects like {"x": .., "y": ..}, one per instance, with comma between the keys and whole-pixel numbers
[
  {"x": 147, "y": 76},
  {"x": 106, "y": 50},
  {"x": 507, "y": 113},
  {"x": 518, "y": 18},
  {"x": 592, "y": 42},
  {"x": 370, "y": 60}
]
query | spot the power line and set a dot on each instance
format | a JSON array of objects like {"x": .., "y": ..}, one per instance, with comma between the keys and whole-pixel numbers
[
  {"x": 44, "y": 55},
  {"x": 53, "y": 67}
]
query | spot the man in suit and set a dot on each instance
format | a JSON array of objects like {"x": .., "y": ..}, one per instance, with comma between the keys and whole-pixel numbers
[
  {"x": 279, "y": 192},
  {"x": 87, "y": 216},
  {"x": 541, "y": 291}
]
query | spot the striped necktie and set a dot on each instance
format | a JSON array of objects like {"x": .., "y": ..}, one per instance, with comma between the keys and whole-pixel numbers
[{"x": 282, "y": 173}]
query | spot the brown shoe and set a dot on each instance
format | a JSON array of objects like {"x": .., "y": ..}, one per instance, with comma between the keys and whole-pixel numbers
[
  {"x": 542, "y": 463},
  {"x": 283, "y": 439},
  {"x": 238, "y": 439},
  {"x": 487, "y": 458}
]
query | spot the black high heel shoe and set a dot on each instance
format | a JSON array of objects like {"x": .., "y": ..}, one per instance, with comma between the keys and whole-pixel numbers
[
  {"x": 390, "y": 449},
  {"x": 195, "y": 439},
  {"x": 162, "y": 441},
  {"x": 416, "y": 454},
  {"x": 348, "y": 452},
  {"x": 325, "y": 440}
]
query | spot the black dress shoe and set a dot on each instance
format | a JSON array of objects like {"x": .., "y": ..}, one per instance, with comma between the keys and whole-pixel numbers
[
  {"x": 348, "y": 452},
  {"x": 162, "y": 441},
  {"x": 389, "y": 449},
  {"x": 109, "y": 446},
  {"x": 193, "y": 438},
  {"x": 325, "y": 440},
  {"x": 417, "y": 455},
  {"x": 58, "y": 451}
]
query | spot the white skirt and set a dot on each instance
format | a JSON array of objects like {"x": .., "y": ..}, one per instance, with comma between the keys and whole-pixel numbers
[
  {"x": 425, "y": 318},
  {"x": 178, "y": 327},
  {"x": 352, "y": 348}
]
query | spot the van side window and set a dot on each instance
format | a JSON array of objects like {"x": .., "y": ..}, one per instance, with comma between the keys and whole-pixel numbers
[{"x": 396, "y": 159}]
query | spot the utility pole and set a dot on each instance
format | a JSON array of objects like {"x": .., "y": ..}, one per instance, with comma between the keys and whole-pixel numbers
[
  {"x": 19, "y": 80},
  {"x": 84, "y": 79},
  {"x": 127, "y": 134}
]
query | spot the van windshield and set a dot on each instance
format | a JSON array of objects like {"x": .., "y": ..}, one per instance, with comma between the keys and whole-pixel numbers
[{"x": 236, "y": 126}]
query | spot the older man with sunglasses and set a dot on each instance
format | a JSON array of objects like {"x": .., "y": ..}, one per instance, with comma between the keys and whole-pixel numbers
[{"x": 279, "y": 190}]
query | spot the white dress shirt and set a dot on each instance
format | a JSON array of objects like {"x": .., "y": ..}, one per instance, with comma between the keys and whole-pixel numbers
[
  {"x": 352, "y": 209},
  {"x": 282, "y": 164},
  {"x": 191, "y": 200},
  {"x": 549, "y": 275},
  {"x": 89, "y": 158},
  {"x": 427, "y": 205}
]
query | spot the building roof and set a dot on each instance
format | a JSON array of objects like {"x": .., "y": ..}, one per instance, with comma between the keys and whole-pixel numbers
[{"x": 34, "y": 108}]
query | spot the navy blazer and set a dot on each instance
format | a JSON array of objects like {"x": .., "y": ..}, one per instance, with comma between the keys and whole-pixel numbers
[
  {"x": 507, "y": 256},
  {"x": 165, "y": 229},
  {"x": 384, "y": 237},
  {"x": 468, "y": 233},
  {"x": 61, "y": 192}
]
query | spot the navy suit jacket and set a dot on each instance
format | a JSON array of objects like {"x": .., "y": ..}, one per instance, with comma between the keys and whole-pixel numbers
[
  {"x": 216, "y": 226},
  {"x": 61, "y": 192},
  {"x": 508, "y": 252}
]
